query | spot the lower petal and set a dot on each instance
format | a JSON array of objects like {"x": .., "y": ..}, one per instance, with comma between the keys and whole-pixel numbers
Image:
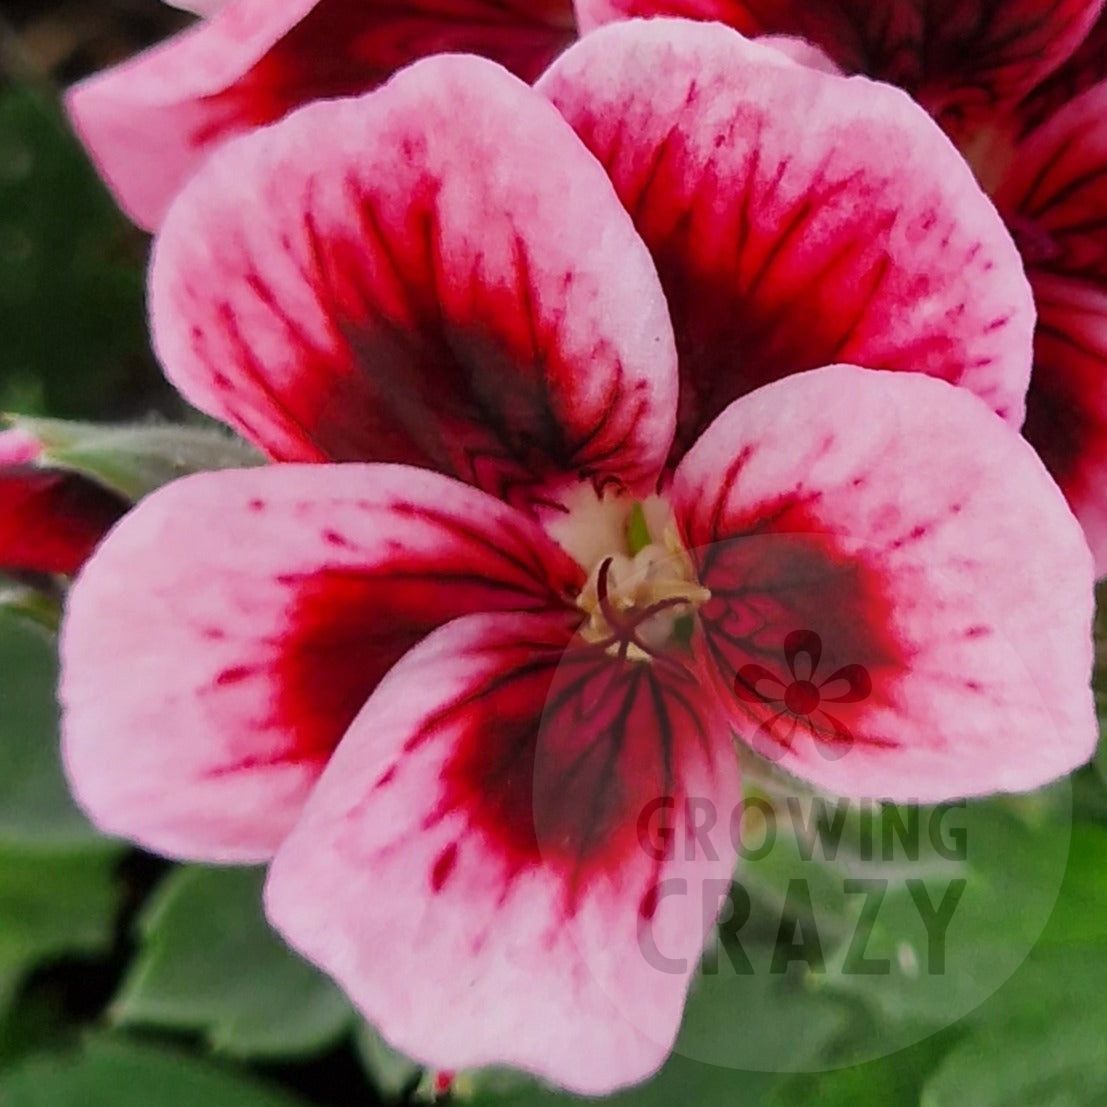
[
  {"x": 916, "y": 537},
  {"x": 527, "y": 837},
  {"x": 218, "y": 647}
]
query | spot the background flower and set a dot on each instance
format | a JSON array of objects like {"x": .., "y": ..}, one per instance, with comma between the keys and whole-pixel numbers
[{"x": 150, "y": 122}]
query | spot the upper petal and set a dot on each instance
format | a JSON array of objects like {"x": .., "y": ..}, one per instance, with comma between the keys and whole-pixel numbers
[
  {"x": 437, "y": 273},
  {"x": 797, "y": 218},
  {"x": 150, "y": 122},
  {"x": 918, "y": 537},
  {"x": 527, "y": 836},
  {"x": 957, "y": 57},
  {"x": 218, "y": 647},
  {"x": 50, "y": 519}
]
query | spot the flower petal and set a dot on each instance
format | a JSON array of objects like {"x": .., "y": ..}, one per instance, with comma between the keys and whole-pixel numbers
[
  {"x": 957, "y": 57},
  {"x": 1055, "y": 194},
  {"x": 1066, "y": 419},
  {"x": 51, "y": 519},
  {"x": 220, "y": 644},
  {"x": 919, "y": 538},
  {"x": 18, "y": 447},
  {"x": 1086, "y": 67},
  {"x": 150, "y": 122},
  {"x": 438, "y": 274},
  {"x": 536, "y": 842},
  {"x": 797, "y": 218}
]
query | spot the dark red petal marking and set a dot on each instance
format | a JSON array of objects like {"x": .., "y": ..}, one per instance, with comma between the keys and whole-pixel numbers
[
  {"x": 51, "y": 519},
  {"x": 957, "y": 57},
  {"x": 535, "y": 815},
  {"x": 437, "y": 274},
  {"x": 797, "y": 219},
  {"x": 264, "y": 607},
  {"x": 864, "y": 522},
  {"x": 151, "y": 122},
  {"x": 776, "y": 572}
]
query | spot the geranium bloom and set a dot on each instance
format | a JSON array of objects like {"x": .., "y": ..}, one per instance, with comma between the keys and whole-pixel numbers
[
  {"x": 51, "y": 519},
  {"x": 1016, "y": 83},
  {"x": 150, "y": 122},
  {"x": 447, "y": 684}
]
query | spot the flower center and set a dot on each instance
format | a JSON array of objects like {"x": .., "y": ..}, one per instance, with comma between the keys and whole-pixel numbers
[{"x": 642, "y": 594}]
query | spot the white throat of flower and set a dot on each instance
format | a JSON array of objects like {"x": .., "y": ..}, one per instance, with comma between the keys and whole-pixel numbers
[{"x": 642, "y": 594}]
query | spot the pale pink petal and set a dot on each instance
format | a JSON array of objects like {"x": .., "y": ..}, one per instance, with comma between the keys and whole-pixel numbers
[
  {"x": 517, "y": 853},
  {"x": 218, "y": 647},
  {"x": 914, "y": 535},
  {"x": 150, "y": 122},
  {"x": 18, "y": 447},
  {"x": 802, "y": 52},
  {"x": 797, "y": 218},
  {"x": 959, "y": 58},
  {"x": 437, "y": 273}
]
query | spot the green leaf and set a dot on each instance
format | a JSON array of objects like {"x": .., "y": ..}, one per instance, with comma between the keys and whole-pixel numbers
[
  {"x": 209, "y": 962},
  {"x": 135, "y": 460},
  {"x": 36, "y": 810},
  {"x": 392, "y": 1073},
  {"x": 114, "y": 1072},
  {"x": 1011, "y": 853},
  {"x": 895, "y": 1080},
  {"x": 52, "y": 905},
  {"x": 1059, "y": 1064}
]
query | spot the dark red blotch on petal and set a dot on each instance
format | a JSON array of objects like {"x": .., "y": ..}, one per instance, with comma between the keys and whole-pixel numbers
[
  {"x": 560, "y": 753},
  {"x": 51, "y": 519},
  {"x": 782, "y": 579}
]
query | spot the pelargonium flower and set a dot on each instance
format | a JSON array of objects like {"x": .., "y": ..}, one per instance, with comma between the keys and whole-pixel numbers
[
  {"x": 549, "y": 481},
  {"x": 1019, "y": 85},
  {"x": 149, "y": 122},
  {"x": 51, "y": 519}
]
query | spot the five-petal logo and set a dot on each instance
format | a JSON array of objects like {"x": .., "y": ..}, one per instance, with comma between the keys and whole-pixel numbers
[{"x": 799, "y": 698}]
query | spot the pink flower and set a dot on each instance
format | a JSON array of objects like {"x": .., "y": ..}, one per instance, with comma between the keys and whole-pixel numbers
[
  {"x": 446, "y": 684},
  {"x": 1019, "y": 85},
  {"x": 51, "y": 519},
  {"x": 150, "y": 122}
]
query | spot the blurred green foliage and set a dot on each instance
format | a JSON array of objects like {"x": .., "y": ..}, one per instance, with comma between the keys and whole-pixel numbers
[{"x": 71, "y": 283}]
